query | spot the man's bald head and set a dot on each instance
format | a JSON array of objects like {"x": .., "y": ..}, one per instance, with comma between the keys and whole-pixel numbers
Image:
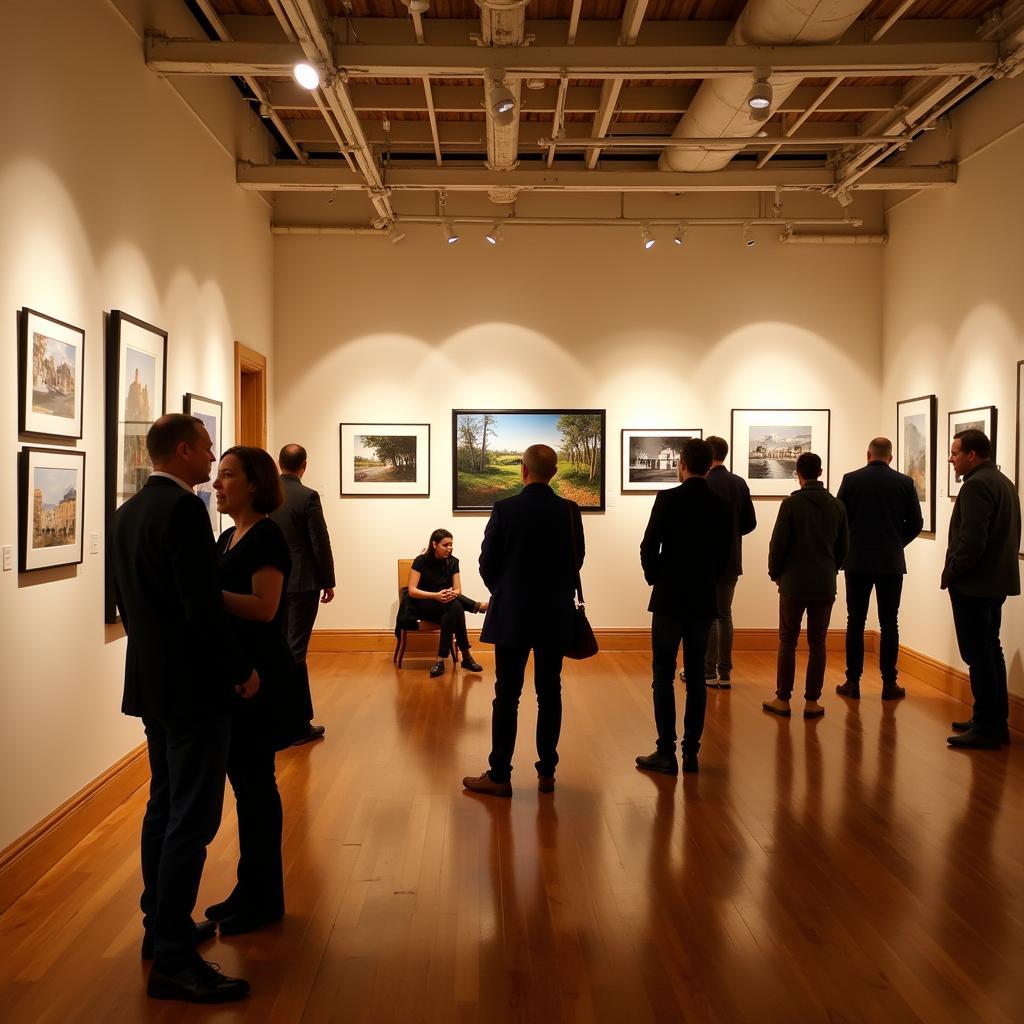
[{"x": 540, "y": 463}]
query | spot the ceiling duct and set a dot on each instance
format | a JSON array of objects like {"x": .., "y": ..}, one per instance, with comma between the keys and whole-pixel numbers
[{"x": 719, "y": 108}]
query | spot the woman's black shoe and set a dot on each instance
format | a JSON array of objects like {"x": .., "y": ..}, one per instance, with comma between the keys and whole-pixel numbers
[
  {"x": 247, "y": 921},
  {"x": 437, "y": 669},
  {"x": 470, "y": 665},
  {"x": 219, "y": 911},
  {"x": 195, "y": 982}
]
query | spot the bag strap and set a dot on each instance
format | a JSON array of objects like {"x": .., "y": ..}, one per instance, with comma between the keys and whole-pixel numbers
[{"x": 575, "y": 553}]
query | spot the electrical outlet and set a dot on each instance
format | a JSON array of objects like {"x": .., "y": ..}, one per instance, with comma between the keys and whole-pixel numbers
[
  {"x": 8, "y": 558},
  {"x": 94, "y": 544}
]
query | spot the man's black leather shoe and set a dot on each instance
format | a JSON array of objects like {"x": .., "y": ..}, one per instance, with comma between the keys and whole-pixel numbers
[
  {"x": 656, "y": 762},
  {"x": 205, "y": 931},
  {"x": 469, "y": 665},
  {"x": 316, "y": 732},
  {"x": 690, "y": 761},
  {"x": 972, "y": 739},
  {"x": 893, "y": 692},
  {"x": 849, "y": 690},
  {"x": 437, "y": 669},
  {"x": 195, "y": 982},
  {"x": 1004, "y": 734}
]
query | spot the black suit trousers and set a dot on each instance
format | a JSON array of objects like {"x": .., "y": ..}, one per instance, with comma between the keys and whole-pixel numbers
[
  {"x": 888, "y": 589},
  {"x": 187, "y": 760},
  {"x": 667, "y": 631},
  {"x": 977, "y": 621},
  {"x": 302, "y": 607}
]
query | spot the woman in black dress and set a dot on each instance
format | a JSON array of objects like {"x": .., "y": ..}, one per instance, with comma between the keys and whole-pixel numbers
[
  {"x": 436, "y": 589},
  {"x": 254, "y": 567}
]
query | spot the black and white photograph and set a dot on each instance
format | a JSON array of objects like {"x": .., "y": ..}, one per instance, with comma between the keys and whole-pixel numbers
[
  {"x": 766, "y": 443},
  {"x": 915, "y": 450},
  {"x": 50, "y": 505},
  {"x": 983, "y": 418},
  {"x": 52, "y": 358},
  {"x": 385, "y": 459},
  {"x": 650, "y": 457}
]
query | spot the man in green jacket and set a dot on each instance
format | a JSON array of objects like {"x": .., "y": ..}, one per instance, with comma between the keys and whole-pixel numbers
[
  {"x": 981, "y": 571},
  {"x": 808, "y": 548}
]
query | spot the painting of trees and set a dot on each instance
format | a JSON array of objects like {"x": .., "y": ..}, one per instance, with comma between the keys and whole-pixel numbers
[{"x": 581, "y": 441}]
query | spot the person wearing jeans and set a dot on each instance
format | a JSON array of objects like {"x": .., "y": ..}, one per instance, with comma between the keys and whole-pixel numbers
[{"x": 807, "y": 550}]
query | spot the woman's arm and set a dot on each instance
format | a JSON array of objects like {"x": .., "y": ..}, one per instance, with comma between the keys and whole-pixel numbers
[
  {"x": 261, "y": 604},
  {"x": 456, "y": 587},
  {"x": 414, "y": 587}
]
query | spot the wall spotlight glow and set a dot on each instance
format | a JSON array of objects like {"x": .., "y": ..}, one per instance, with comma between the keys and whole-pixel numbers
[
  {"x": 494, "y": 234},
  {"x": 449, "y": 233},
  {"x": 306, "y": 75},
  {"x": 648, "y": 238},
  {"x": 395, "y": 234}
]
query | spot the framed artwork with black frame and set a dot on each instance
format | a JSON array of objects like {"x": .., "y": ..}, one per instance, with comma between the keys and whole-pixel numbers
[
  {"x": 51, "y": 504},
  {"x": 650, "y": 457},
  {"x": 488, "y": 446},
  {"x": 1020, "y": 437},
  {"x": 136, "y": 397},
  {"x": 982, "y": 418},
  {"x": 51, "y": 364},
  {"x": 765, "y": 444},
  {"x": 211, "y": 412},
  {"x": 916, "y": 427},
  {"x": 384, "y": 459}
]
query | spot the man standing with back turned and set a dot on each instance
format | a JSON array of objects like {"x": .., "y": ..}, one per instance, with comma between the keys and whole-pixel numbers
[
  {"x": 311, "y": 581},
  {"x": 981, "y": 571},
  {"x": 884, "y": 516},
  {"x": 180, "y": 668}
]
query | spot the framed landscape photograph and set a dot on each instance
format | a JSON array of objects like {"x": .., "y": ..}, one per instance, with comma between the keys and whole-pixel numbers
[
  {"x": 51, "y": 361},
  {"x": 916, "y": 420},
  {"x": 51, "y": 483},
  {"x": 211, "y": 412},
  {"x": 650, "y": 457},
  {"x": 982, "y": 418},
  {"x": 488, "y": 446},
  {"x": 1020, "y": 437},
  {"x": 766, "y": 443},
  {"x": 385, "y": 459}
]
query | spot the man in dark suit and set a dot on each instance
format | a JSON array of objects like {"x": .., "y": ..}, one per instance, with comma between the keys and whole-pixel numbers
[
  {"x": 311, "y": 581},
  {"x": 684, "y": 553},
  {"x": 884, "y": 515},
  {"x": 180, "y": 669},
  {"x": 530, "y": 558},
  {"x": 981, "y": 571}
]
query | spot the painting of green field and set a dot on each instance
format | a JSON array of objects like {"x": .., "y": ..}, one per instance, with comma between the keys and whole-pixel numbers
[{"x": 488, "y": 454}]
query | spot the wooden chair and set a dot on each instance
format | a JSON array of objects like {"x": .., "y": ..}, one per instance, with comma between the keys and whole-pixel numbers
[{"x": 427, "y": 629}]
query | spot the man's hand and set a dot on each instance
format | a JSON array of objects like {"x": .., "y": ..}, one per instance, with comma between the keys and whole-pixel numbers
[
  {"x": 327, "y": 596},
  {"x": 249, "y": 688}
]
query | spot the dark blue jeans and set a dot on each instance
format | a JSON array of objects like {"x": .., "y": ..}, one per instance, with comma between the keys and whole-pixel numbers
[
  {"x": 888, "y": 588},
  {"x": 667, "y": 632},
  {"x": 977, "y": 621}
]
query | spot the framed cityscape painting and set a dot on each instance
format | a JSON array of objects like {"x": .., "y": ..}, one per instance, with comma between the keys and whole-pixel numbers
[
  {"x": 488, "y": 446},
  {"x": 766, "y": 443},
  {"x": 385, "y": 459},
  {"x": 211, "y": 412},
  {"x": 982, "y": 418},
  {"x": 916, "y": 420},
  {"x": 1020, "y": 436},
  {"x": 650, "y": 457},
  {"x": 51, "y": 502},
  {"x": 51, "y": 357}
]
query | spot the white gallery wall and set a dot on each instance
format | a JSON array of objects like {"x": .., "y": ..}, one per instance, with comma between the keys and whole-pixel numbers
[{"x": 112, "y": 195}]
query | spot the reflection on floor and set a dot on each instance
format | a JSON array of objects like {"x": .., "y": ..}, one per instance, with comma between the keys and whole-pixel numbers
[{"x": 849, "y": 869}]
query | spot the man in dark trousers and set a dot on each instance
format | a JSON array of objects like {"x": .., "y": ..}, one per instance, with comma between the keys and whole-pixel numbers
[
  {"x": 686, "y": 549},
  {"x": 734, "y": 489},
  {"x": 180, "y": 669},
  {"x": 311, "y": 581},
  {"x": 981, "y": 571},
  {"x": 884, "y": 515},
  {"x": 530, "y": 558},
  {"x": 807, "y": 550}
]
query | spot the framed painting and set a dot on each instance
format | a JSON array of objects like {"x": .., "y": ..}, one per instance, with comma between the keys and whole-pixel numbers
[
  {"x": 766, "y": 443},
  {"x": 51, "y": 363},
  {"x": 211, "y": 412},
  {"x": 650, "y": 457},
  {"x": 916, "y": 420},
  {"x": 385, "y": 459},
  {"x": 488, "y": 446},
  {"x": 1020, "y": 437},
  {"x": 136, "y": 396},
  {"x": 982, "y": 418},
  {"x": 51, "y": 503}
]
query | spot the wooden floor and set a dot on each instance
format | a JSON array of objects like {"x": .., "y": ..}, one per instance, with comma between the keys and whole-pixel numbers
[{"x": 847, "y": 870}]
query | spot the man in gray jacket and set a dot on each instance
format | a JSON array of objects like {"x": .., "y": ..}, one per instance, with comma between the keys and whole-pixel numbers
[
  {"x": 981, "y": 571},
  {"x": 807, "y": 550}
]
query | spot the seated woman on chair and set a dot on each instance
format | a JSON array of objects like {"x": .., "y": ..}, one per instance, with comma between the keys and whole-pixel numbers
[{"x": 436, "y": 590}]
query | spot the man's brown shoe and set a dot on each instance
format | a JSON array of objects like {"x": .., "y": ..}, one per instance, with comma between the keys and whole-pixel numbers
[
  {"x": 778, "y": 706},
  {"x": 486, "y": 785},
  {"x": 812, "y": 709},
  {"x": 893, "y": 692},
  {"x": 849, "y": 690},
  {"x": 545, "y": 783}
]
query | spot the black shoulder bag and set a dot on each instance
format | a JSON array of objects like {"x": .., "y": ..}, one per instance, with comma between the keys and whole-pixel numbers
[{"x": 583, "y": 643}]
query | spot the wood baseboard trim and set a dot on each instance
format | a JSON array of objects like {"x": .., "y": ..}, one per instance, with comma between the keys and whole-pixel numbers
[{"x": 27, "y": 859}]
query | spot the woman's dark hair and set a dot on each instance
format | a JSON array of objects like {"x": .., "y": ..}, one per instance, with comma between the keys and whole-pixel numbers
[
  {"x": 435, "y": 538},
  {"x": 259, "y": 470}
]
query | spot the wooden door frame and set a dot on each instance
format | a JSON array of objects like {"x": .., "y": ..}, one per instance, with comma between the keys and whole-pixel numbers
[{"x": 249, "y": 362}]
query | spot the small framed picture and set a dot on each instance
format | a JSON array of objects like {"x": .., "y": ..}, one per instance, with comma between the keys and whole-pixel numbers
[
  {"x": 51, "y": 356},
  {"x": 915, "y": 450},
  {"x": 1020, "y": 436},
  {"x": 982, "y": 418},
  {"x": 211, "y": 412},
  {"x": 51, "y": 500},
  {"x": 650, "y": 457},
  {"x": 385, "y": 459},
  {"x": 766, "y": 443}
]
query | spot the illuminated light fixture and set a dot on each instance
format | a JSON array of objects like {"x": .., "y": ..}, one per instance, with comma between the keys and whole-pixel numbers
[
  {"x": 449, "y": 233},
  {"x": 306, "y": 75},
  {"x": 494, "y": 235},
  {"x": 680, "y": 236},
  {"x": 648, "y": 238},
  {"x": 759, "y": 99},
  {"x": 501, "y": 100},
  {"x": 748, "y": 238}
]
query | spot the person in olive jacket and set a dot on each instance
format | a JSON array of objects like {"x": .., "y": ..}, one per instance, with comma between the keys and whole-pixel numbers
[
  {"x": 981, "y": 571},
  {"x": 807, "y": 550}
]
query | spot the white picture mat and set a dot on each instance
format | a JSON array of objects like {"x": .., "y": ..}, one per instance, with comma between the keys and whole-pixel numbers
[
  {"x": 743, "y": 419},
  {"x": 350, "y": 486},
  {"x": 905, "y": 410},
  {"x": 138, "y": 338},
  {"x": 649, "y": 486},
  {"x": 43, "y": 423},
  {"x": 62, "y": 554},
  {"x": 957, "y": 418}
]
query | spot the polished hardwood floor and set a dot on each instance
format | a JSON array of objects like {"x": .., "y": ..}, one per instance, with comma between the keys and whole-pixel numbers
[{"x": 846, "y": 870}]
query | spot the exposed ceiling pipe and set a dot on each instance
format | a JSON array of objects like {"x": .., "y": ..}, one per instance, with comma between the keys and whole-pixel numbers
[
  {"x": 805, "y": 238},
  {"x": 719, "y": 107},
  {"x": 579, "y": 222}
]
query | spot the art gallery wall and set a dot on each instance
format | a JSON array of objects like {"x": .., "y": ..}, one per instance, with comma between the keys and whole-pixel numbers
[
  {"x": 569, "y": 317},
  {"x": 112, "y": 195},
  {"x": 954, "y": 327}
]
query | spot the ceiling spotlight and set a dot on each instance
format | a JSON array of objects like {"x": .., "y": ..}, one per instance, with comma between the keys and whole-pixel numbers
[
  {"x": 417, "y": 6},
  {"x": 680, "y": 236},
  {"x": 450, "y": 236},
  {"x": 494, "y": 234},
  {"x": 539, "y": 83},
  {"x": 501, "y": 101},
  {"x": 306, "y": 75},
  {"x": 748, "y": 238},
  {"x": 395, "y": 235},
  {"x": 759, "y": 99},
  {"x": 648, "y": 238}
]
